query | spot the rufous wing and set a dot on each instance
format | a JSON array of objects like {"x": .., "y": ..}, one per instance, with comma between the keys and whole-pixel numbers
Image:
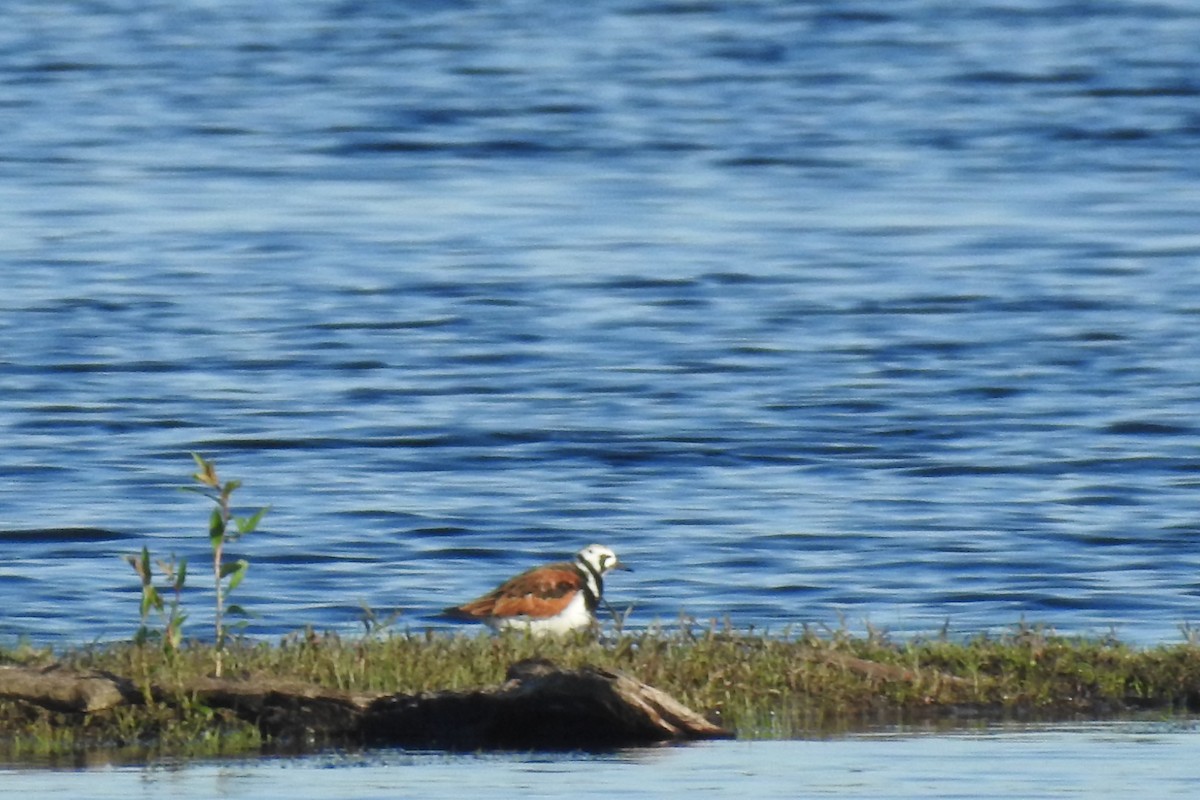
[{"x": 540, "y": 592}]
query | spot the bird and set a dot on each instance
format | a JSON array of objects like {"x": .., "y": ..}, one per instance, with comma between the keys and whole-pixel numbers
[{"x": 551, "y": 599}]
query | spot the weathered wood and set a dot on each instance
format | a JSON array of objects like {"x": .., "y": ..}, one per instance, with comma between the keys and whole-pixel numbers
[
  {"x": 63, "y": 690},
  {"x": 539, "y": 706},
  {"x": 286, "y": 711}
]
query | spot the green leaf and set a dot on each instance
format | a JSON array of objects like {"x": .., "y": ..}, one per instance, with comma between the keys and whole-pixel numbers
[
  {"x": 236, "y": 611},
  {"x": 181, "y": 575},
  {"x": 237, "y": 573},
  {"x": 207, "y": 474},
  {"x": 150, "y": 598},
  {"x": 216, "y": 527},
  {"x": 247, "y": 524},
  {"x": 141, "y": 565}
]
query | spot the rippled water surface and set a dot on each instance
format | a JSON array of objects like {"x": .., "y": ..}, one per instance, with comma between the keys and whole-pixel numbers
[
  {"x": 877, "y": 311},
  {"x": 1111, "y": 760}
]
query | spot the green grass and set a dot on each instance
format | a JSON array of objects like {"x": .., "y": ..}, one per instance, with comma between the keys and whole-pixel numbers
[
  {"x": 762, "y": 686},
  {"x": 29, "y": 734}
]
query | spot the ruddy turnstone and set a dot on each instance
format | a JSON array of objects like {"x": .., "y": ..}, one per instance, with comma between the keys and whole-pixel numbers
[{"x": 555, "y": 598}]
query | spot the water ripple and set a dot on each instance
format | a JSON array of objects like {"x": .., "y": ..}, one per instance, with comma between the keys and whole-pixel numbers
[{"x": 814, "y": 313}]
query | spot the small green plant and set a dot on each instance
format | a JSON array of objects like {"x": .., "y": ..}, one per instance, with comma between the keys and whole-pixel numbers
[
  {"x": 374, "y": 624},
  {"x": 170, "y": 613},
  {"x": 226, "y": 575}
]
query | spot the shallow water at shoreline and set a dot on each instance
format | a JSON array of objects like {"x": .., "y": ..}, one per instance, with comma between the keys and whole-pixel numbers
[{"x": 1116, "y": 759}]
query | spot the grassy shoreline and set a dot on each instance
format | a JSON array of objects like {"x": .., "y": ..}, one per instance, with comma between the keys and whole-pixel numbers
[{"x": 785, "y": 686}]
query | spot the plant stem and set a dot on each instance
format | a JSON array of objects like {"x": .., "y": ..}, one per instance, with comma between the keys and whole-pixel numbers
[{"x": 218, "y": 549}]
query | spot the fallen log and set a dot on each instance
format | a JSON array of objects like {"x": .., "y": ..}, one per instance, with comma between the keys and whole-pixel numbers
[
  {"x": 294, "y": 714},
  {"x": 539, "y": 706},
  {"x": 61, "y": 689}
]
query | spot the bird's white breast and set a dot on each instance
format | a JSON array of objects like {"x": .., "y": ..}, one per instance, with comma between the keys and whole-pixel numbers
[{"x": 574, "y": 617}]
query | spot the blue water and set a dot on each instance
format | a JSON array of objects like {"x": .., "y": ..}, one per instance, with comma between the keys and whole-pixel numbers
[
  {"x": 863, "y": 313},
  {"x": 1096, "y": 760}
]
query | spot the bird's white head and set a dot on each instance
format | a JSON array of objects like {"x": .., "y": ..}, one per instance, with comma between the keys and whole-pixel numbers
[{"x": 599, "y": 559}]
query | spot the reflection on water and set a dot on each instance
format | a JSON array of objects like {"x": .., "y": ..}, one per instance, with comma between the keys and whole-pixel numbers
[{"x": 1124, "y": 759}]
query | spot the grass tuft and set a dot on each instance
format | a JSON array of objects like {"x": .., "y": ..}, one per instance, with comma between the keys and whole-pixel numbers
[{"x": 795, "y": 685}]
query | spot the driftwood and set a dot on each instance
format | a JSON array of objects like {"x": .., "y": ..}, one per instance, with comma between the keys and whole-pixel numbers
[
  {"x": 63, "y": 690},
  {"x": 539, "y": 706}
]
